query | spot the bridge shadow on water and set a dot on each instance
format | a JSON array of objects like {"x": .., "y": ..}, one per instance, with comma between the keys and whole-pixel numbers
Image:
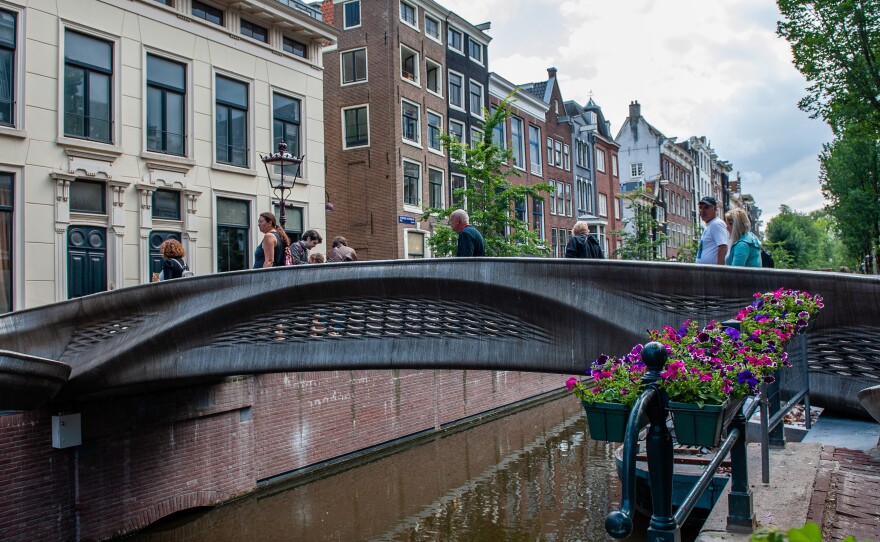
[{"x": 531, "y": 475}]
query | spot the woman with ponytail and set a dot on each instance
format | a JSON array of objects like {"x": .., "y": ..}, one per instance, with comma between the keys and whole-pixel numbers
[{"x": 270, "y": 253}]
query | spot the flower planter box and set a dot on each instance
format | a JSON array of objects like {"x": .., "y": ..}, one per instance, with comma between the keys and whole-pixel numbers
[
  {"x": 607, "y": 421},
  {"x": 695, "y": 426}
]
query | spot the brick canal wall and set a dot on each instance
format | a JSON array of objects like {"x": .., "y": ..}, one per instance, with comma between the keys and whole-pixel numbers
[{"x": 146, "y": 456}]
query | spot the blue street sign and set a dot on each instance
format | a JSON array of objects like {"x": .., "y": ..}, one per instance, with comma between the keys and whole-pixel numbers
[{"x": 406, "y": 219}]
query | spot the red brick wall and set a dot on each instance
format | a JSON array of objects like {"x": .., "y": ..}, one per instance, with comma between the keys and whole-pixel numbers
[{"x": 144, "y": 457}]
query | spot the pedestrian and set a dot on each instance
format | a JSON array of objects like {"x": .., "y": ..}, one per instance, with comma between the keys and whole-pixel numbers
[
  {"x": 341, "y": 252},
  {"x": 317, "y": 257},
  {"x": 713, "y": 242},
  {"x": 470, "y": 240},
  {"x": 745, "y": 248},
  {"x": 173, "y": 264},
  {"x": 300, "y": 249},
  {"x": 270, "y": 252},
  {"x": 582, "y": 244}
]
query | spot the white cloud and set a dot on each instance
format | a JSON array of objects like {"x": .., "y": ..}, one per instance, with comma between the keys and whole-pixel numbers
[{"x": 698, "y": 68}]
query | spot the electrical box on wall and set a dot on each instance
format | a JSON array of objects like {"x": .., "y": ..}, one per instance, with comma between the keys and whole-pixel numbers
[{"x": 66, "y": 431}]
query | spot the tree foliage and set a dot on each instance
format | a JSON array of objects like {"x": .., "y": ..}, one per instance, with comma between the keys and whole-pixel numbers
[
  {"x": 489, "y": 197},
  {"x": 850, "y": 176},
  {"x": 642, "y": 236},
  {"x": 804, "y": 241},
  {"x": 835, "y": 45}
]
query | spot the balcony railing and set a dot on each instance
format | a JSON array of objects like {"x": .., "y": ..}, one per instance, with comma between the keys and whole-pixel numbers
[{"x": 304, "y": 8}]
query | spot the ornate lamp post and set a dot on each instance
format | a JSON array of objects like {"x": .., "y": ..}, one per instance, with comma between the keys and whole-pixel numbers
[{"x": 281, "y": 184}]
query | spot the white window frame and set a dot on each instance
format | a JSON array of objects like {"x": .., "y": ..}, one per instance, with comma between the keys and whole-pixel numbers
[
  {"x": 366, "y": 78},
  {"x": 439, "y": 37},
  {"x": 342, "y": 118},
  {"x": 417, "y": 81},
  {"x": 476, "y": 136},
  {"x": 463, "y": 131},
  {"x": 600, "y": 160},
  {"x": 557, "y": 155},
  {"x": 636, "y": 169},
  {"x": 522, "y": 142},
  {"x": 425, "y": 235},
  {"x": 440, "y": 79},
  {"x": 569, "y": 200},
  {"x": 480, "y": 60},
  {"x": 417, "y": 208},
  {"x": 415, "y": 8},
  {"x": 20, "y": 75},
  {"x": 535, "y": 166},
  {"x": 345, "y": 25},
  {"x": 549, "y": 150},
  {"x": 428, "y": 135},
  {"x": 462, "y": 94},
  {"x": 566, "y": 156},
  {"x": 552, "y": 206},
  {"x": 472, "y": 84},
  {"x": 614, "y": 170},
  {"x": 603, "y": 205},
  {"x": 18, "y": 240},
  {"x": 464, "y": 184},
  {"x": 189, "y": 113},
  {"x": 442, "y": 186},
  {"x": 450, "y": 28},
  {"x": 418, "y": 140},
  {"x": 114, "y": 146}
]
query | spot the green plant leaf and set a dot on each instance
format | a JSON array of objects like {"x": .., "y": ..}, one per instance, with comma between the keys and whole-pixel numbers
[{"x": 808, "y": 533}]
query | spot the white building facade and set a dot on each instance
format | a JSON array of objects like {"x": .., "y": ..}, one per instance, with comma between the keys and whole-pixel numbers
[{"x": 127, "y": 122}]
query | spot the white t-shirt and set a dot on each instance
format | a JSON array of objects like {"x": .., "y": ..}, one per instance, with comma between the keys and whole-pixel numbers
[{"x": 714, "y": 235}]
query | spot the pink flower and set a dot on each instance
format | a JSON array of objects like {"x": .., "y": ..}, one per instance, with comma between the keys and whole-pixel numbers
[
  {"x": 571, "y": 383},
  {"x": 705, "y": 377}
]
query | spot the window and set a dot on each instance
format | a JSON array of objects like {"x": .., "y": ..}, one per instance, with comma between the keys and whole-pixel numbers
[
  {"x": 89, "y": 197},
  {"x": 254, "y": 31},
  {"x": 558, "y": 156},
  {"x": 538, "y": 217},
  {"x": 232, "y": 122},
  {"x": 475, "y": 51},
  {"x": 552, "y": 197},
  {"x": 614, "y": 165},
  {"x": 435, "y": 188},
  {"x": 457, "y": 182},
  {"x": 519, "y": 209},
  {"x": 600, "y": 161},
  {"x": 568, "y": 201},
  {"x": 456, "y": 130},
  {"x": 560, "y": 198},
  {"x": 412, "y": 183},
  {"x": 354, "y": 66},
  {"x": 166, "y": 204},
  {"x": 356, "y": 126},
  {"x": 636, "y": 169},
  {"x": 476, "y": 101},
  {"x": 455, "y": 39},
  {"x": 549, "y": 151},
  {"x": 617, "y": 204},
  {"x": 410, "y": 121},
  {"x": 554, "y": 243},
  {"x": 88, "y": 75},
  {"x": 434, "y": 77},
  {"x": 432, "y": 27},
  {"x": 206, "y": 12},
  {"x": 499, "y": 134},
  {"x": 456, "y": 90},
  {"x": 566, "y": 157},
  {"x": 435, "y": 127},
  {"x": 286, "y": 122},
  {"x": 294, "y": 47},
  {"x": 409, "y": 64},
  {"x": 351, "y": 14},
  {"x": 169, "y": 3},
  {"x": 166, "y": 106},
  {"x": 415, "y": 244},
  {"x": 603, "y": 205},
  {"x": 233, "y": 232},
  {"x": 408, "y": 14},
  {"x": 535, "y": 149},
  {"x": 563, "y": 233},
  {"x": 476, "y": 137},
  {"x": 7, "y": 204},
  {"x": 8, "y": 38},
  {"x": 517, "y": 142}
]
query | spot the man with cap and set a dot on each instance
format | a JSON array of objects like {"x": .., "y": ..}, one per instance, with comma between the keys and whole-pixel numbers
[{"x": 713, "y": 243}]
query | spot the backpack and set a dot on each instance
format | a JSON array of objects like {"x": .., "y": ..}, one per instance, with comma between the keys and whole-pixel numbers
[
  {"x": 288, "y": 256},
  {"x": 186, "y": 272},
  {"x": 766, "y": 259}
]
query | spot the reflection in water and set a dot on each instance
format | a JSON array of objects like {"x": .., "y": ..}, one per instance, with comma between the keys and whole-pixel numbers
[{"x": 532, "y": 475}]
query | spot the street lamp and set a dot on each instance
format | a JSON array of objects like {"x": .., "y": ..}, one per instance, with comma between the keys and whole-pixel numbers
[{"x": 282, "y": 158}]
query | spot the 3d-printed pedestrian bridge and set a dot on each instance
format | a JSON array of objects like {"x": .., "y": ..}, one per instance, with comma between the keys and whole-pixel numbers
[{"x": 538, "y": 315}]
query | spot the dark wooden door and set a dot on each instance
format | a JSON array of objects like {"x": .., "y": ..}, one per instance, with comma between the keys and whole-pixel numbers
[{"x": 86, "y": 260}]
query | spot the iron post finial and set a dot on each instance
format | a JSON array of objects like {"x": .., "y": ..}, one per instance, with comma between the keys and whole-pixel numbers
[{"x": 654, "y": 357}]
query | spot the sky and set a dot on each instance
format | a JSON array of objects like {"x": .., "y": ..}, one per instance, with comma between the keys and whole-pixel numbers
[{"x": 714, "y": 69}]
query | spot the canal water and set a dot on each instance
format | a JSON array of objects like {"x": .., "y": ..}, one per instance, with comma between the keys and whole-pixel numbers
[{"x": 531, "y": 475}]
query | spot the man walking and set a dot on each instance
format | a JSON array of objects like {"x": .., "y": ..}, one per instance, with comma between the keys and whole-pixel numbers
[
  {"x": 470, "y": 241},
  {"x": 713, "y": 243},
  {"x": 300, "y": 249}
]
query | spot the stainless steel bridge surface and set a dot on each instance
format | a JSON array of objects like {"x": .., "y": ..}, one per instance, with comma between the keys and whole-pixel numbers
[{"x": 524, "y": 314}]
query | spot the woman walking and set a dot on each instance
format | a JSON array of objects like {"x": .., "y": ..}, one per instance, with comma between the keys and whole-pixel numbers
[
  {"x": 745, "y": 248},
  {"x": 270, "y": 253}
]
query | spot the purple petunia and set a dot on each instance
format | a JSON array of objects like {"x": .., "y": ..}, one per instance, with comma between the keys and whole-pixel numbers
[
  {"x": 747, "y": 377},
  {"x": 732, "y": 333}
]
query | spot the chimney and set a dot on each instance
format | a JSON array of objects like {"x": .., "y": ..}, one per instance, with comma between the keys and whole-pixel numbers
[
  {"x": 635, "y": 111},
  {"x": 551, "y": 73},
  {"x": 608, "y": 126},
  {"x": 327, "y": 11}
]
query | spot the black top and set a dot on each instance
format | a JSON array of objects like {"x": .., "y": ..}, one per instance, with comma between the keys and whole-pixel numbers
[
  {"x": 470, "y": 242},
  {"x": 172, "y": 268},
  {"x": 260, "y": 258},
  {"x": 583, "y": 246}
]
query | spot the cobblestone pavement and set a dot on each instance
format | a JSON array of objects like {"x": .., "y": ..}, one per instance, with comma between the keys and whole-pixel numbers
[{"x": 846, "y": 497}]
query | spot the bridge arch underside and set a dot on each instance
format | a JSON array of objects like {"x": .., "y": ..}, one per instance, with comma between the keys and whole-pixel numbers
[{"x": 537, "y": 315}]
